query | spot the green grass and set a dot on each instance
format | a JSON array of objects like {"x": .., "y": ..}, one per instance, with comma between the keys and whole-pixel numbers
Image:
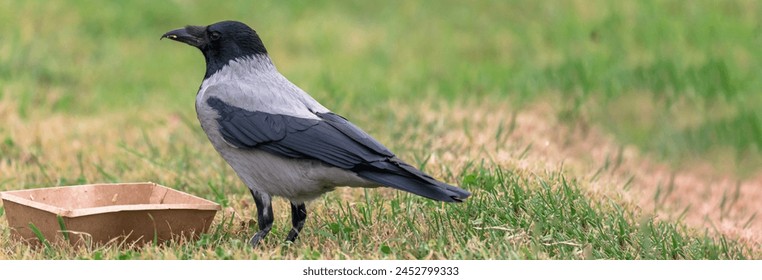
[
  {"x": 695, "y": 62},
  {"x": 678, "y": 79},
  {"x": 511, "y": 216}
]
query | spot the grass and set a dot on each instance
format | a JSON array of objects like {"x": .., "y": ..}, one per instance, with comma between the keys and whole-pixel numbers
[
  {"x": 694, "y": 62},
  {"x": 89, "y": 94},
  {"x": 512, "y": 216}
]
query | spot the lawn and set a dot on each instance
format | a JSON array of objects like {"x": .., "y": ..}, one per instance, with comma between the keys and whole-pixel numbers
[{"x": 538, "y": 108}]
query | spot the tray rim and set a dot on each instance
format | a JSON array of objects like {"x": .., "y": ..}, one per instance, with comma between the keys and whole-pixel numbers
[{"x": 11, "y": 196}]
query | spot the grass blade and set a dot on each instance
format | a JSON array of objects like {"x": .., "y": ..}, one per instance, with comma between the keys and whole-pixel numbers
[
  {"x": 62, "y": 225},
  {"x": 41, "y": 238}
]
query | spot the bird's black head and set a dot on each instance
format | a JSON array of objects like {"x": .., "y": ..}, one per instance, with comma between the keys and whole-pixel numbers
[{"x": 220, "y": 42}]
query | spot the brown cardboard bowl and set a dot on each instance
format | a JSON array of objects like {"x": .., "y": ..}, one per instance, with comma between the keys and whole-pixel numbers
[{"x": 101, "y": 213}]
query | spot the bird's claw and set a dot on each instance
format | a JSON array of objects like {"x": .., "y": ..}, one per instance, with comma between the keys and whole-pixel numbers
[{"x": 257, "y": 238}]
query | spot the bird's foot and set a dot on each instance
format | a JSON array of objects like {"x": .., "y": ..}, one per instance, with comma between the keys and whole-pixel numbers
[
  {"x": 264, "y": 216},
  {"x": 292, "y": 235},
  {"x": 258, "y": 238},
  {"x": 298, "y": 215}
]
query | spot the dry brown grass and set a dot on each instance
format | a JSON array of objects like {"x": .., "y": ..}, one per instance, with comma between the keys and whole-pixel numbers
[{"x": 700, "y": 195}]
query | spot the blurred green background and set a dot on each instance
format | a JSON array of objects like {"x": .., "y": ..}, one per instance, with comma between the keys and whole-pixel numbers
[{"x": 679, "y": 79}]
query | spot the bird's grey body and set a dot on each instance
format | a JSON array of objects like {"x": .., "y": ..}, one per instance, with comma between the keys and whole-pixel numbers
[
  {"x": 278, "y": 139},
  {"x": 260, "y": 87}
]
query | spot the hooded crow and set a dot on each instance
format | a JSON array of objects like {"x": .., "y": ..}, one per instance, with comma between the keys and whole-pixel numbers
[{"x": 278, "y": 139}]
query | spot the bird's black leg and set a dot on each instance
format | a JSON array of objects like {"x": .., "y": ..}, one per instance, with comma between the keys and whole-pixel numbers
[
  {"x": 264, "y": 216},
  {"x": 298, "y": 216}
]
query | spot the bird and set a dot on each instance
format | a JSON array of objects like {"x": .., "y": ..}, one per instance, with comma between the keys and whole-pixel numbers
[{"x": 278, "y": 139}]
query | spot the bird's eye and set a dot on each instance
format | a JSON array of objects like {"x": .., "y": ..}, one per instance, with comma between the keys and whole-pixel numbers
[{"x": 214, "y": 35}]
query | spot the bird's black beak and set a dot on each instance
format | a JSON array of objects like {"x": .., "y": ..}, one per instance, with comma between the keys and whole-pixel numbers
[{"x": 191, "y": 35}]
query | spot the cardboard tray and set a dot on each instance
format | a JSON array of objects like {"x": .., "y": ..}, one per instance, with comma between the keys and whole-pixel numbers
[{"x": 101, "y": 213}]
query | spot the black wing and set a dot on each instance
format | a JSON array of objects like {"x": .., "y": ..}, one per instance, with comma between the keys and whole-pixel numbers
[{"x": 332, "y": 140}]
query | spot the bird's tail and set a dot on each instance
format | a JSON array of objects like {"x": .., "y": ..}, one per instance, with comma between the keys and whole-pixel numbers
[{"x": 402, "y": 176}]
